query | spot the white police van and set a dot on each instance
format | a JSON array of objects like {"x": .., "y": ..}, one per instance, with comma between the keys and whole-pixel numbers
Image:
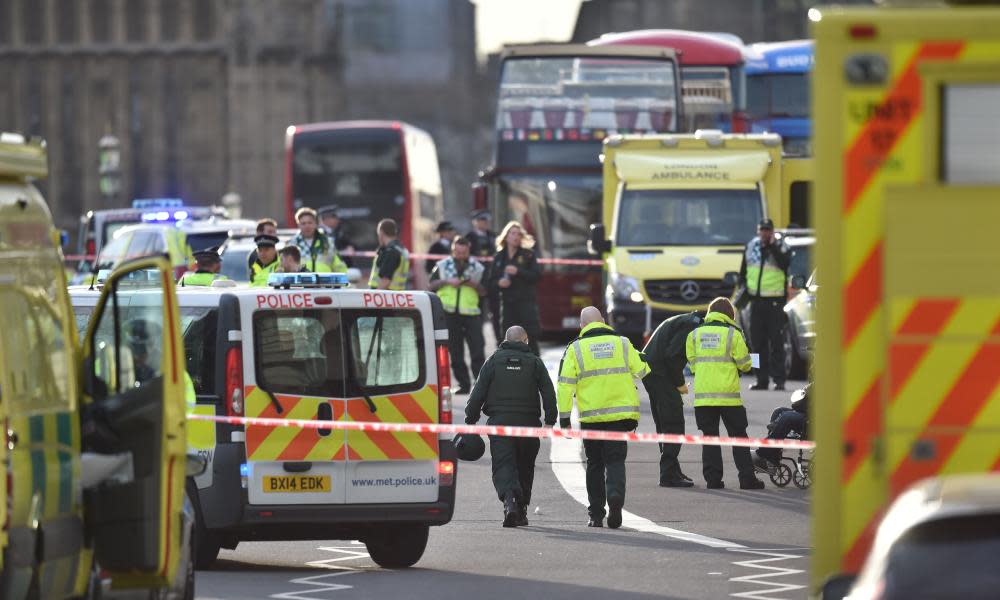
[{"x": 309, "y": 347}]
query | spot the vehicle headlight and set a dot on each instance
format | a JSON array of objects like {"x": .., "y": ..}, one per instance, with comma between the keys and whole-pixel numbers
[{"x": 624, "y": 287}]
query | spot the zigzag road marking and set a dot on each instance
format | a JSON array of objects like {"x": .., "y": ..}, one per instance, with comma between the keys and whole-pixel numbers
[
  {"x": 768, "y": 574},
  {"x": 319, "y": 584}
]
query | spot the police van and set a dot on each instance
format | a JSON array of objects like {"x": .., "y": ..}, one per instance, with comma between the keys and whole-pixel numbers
[
  {"x": 92, "y": 464},
  {"x": 309, "y": 347}
]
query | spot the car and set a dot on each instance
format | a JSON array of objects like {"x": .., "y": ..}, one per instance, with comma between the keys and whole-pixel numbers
[
  {"x": 939, "y": 539},
  {"x": 800, "y": 332},
  {"x": 316, "y": 351}
]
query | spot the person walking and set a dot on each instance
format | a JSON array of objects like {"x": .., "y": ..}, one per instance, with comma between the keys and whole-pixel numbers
[
  {"x": 483, "y": 245},
  {"x": 717, "y": 354},
  {"x": 209, "y": 263},
  {"x": 392, "y": 261},
  {"x": 508, "y": 391},
  {"x": 764, "y": 274},
  {"x": 665, "y": 353},
  {"x": 318, "y": 253},
  {"x": 515, "y": 273},
  {"x": 599, "y": 369},
  {"x": 267, "y": 260},
  {"x": 457, "y": 280},
  {"x": 442, "y": 245}
]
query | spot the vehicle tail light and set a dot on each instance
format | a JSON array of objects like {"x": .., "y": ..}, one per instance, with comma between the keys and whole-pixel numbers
[
  {"x": 446, "y": 473},
  {"x": 91, "y": 249},
  {"x": 444, "y": 384},
  {"x": 480, "y": 195},
  {"x": 234, "y": 382},
  {"x": 740, "y": 122}
]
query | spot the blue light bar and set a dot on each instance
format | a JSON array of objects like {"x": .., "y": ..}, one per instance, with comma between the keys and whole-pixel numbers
[
  {"x": 143, "y": 203},
  {"x": 289, "y": 280}
]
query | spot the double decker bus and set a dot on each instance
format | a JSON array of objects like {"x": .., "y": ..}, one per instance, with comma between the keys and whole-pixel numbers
[
  {"x": 712, "y": 74},
  {"x": 556, "y": 104},
  {"x": 372, "y": 170},
  {"x": 778, "y": 92}
]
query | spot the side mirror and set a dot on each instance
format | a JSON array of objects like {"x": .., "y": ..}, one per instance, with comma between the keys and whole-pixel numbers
[
  {"x": 480, "y": 195},
  {"x": 798, "y": 281},
  {"x": 730, "y": 279},
  {"x": 195, "y": 465},
  {"x": 598, "y": 243},
  {"x": 838, "y": 586}
]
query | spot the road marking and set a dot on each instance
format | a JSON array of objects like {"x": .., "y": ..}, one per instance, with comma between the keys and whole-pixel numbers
[
  {"x": 769, "y": 572},
  {"x": 318, "y": 583},
  {"x": 567, "y": 464}
]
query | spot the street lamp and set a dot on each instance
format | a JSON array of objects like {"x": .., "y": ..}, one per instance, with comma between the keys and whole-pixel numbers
[{"x": 109, "y": 172}]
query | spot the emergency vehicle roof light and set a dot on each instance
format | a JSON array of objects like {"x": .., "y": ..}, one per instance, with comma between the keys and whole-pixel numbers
[
  {"x": 712, "y": 137},
  {"x": 669, "y": 142},
  {"x": 771, "y": 139},
  {"x": 298, "y": 280},
  {"x": 142, "y": 203}
]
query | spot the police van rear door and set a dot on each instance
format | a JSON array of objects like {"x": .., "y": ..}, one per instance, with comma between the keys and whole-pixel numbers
[{"x": 390, "y": 352}]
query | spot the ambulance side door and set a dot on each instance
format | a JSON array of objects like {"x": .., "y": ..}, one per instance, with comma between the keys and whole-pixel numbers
[{"x": 133, "y": 375}]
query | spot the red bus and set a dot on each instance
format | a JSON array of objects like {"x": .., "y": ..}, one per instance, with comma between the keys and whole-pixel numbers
[
  {"x": 372, "y": 170},
  {"x": 712, "y": 74},
  {"x": 555, "y": 106}
]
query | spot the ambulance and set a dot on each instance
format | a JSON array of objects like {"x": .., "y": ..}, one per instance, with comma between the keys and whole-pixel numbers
[
  {"x": 93, "y": 456},
  {"x": 311, "y": 347},
  {"x": 678, "y": 210},
  {"x": 907, "y": 147}
]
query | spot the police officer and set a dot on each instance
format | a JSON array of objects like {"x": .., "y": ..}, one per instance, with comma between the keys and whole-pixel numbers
[
  {"x": 483, "y": 246},
  {"x": 318, "y": 253},
  {"x": 392, "y": 260},
  {"x": 457, "y": 280},
  {"x": 209, "y": 263},
  {"x": 267, "y": 259},
  {"x": 599, "y": 368},
  {"x": 446, "y": 235},
  {"x": 717, "y": 354},
  {"x": 764, "y": 274},
  {"x": 507, "y": 390},
  {"x": 515, "y": 273},
  {"x": 665, "y": 355},
  {"x": 267, "y": 226},
  {"x": 334, "y": 228}
]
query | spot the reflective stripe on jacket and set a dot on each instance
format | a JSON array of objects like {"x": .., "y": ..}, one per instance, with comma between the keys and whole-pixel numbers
[
  {"x": 717, "y": 353},
  {"x": 599, "y": 368},
  {"x": 399, "y": 276},
  {"x": 261, "y": 273},
  {"x": 764, "y": 278}
]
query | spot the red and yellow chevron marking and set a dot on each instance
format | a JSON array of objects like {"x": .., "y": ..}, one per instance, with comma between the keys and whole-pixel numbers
[
  {"x": 875, "y": 392},
  {"x": 294, "y": 443}
]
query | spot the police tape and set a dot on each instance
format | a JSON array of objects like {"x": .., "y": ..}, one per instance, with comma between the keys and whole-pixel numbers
[
  {"x": 580, "y": 262},
  {"x": 513, "y": 431}
]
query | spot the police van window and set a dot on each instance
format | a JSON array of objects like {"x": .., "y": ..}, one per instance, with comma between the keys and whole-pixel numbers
[
  {"x": 36, "y": 357},
  {"x": 386, "y": 350},
  {"x": 299, "y": 352},
  {"x": 198, "y": 326}
]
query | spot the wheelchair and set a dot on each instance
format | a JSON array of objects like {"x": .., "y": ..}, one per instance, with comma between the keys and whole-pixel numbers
[{"x": 796, "y": 470}]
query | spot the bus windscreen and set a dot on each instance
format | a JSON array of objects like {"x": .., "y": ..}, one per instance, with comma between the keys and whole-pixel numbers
[{"x": 784, "y": 95}]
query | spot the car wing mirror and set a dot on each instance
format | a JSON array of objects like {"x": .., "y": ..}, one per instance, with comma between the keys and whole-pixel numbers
[
  {"x": 195, "y": 465},
  {"x": 730, "y": 279}
]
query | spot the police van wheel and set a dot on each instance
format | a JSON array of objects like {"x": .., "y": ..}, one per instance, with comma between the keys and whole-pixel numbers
[{"x": 398, "y": 547}]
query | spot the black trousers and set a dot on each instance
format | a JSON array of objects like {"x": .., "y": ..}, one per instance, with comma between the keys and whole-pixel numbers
[
  {"x": 735, "y": 420},
  {"x": 523, "y": 313},
  {"x": 784, "y": 420},
  {"x": 464, "y": 330},
  {"x": 767, "y": 333},
  {"x": 514, "y": 465},
  {"x": 667, "y": 406},
  {"x": 605, "y": 466}
]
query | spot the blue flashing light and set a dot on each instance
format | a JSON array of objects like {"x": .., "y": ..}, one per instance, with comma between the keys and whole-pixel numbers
[
  {"x": 287, "y": 280},
  {"x": 143, "y": 203},
  {"x": 180, "y": 215},
  {"x": 244, "y": 470}
]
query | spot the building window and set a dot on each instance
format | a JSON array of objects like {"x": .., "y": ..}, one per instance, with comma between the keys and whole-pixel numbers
[
  {"x": 135, "y": 20},
  {"x": 204, "y": 21},
  {"x": 169, "y": 23},
  {"x": 373, "y": 26},
  {"x": 4, "y": 22},
  {"x": 100, "y": 20},
  {"x": 34, "y": 21},
  {"x": 66, "y": 21}
]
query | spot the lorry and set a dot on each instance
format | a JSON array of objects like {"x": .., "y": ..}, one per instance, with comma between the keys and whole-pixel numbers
[
  {"x": 907, "y": 117},
  {"x": 678, "y": 210}
]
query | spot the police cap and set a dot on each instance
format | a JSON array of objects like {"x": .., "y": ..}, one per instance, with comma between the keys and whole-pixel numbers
[
  {"x": 766, "y": 224},
  {"x": 208, "y": 255},
  {"x": 330, "y": 209},
  {"x": 481, "y": 214},
  {"x": 469, "y": 446},
  {"x": 445, "y": 226},
  {"x": 266, "y": 240}
]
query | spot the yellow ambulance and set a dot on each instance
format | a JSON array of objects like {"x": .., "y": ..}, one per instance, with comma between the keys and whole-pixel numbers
[
  {"x": 907, "y": 147},
  {"x": 93, "y": 454},
  {"x": 677, "y": 212}
]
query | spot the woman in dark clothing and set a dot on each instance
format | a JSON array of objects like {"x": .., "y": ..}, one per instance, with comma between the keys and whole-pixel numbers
[{"x": 515, "y": 272}]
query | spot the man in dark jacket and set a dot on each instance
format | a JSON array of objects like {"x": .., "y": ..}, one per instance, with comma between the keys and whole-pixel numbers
[
  {"x": 666, "y": 357},
  {"x": 507, "y": 390}
]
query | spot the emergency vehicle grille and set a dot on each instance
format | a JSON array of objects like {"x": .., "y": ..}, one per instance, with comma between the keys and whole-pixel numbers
[{"x": 690, "y": 292}]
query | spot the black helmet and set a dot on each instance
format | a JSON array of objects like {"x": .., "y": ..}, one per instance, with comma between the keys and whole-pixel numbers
[{"x": 469, "y": 446}]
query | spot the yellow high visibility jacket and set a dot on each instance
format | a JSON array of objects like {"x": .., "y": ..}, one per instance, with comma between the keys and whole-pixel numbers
[
  {"x": 200, "y": 279},
  {"x": 717, "y": 353},
  {"x": 261, "y": 273},
  {"x": 599, "y": 368},
  {"x": 200, "y": 434},
  {"x": 400, "y": 275}
]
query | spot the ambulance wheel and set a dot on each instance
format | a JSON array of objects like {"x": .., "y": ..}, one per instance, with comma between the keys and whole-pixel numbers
[
  {"x": 398, "y": 547},
  {"x": 781, "y": 475}
]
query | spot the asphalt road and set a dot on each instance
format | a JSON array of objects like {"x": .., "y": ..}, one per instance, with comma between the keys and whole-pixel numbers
[{"x": 674, "y": 543}]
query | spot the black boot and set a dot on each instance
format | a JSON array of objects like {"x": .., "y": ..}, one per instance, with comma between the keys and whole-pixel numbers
[{"x": 511, "y": 511}]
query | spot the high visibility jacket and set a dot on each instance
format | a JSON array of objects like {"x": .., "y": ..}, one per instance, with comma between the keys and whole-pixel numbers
[
  {"x": 766, "y": 271},
  {"x": 200, "y": 434},
  {"x": 462, "y": 299},
  {"x": 200, "y": 278},
  {"x": 599, "y": 368},
  {"x": 717, "y": 353},
  {"x": 402, "y": 272},
  {"x": 261, "y": 273},
  {"x": 320, "y": 255}
]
